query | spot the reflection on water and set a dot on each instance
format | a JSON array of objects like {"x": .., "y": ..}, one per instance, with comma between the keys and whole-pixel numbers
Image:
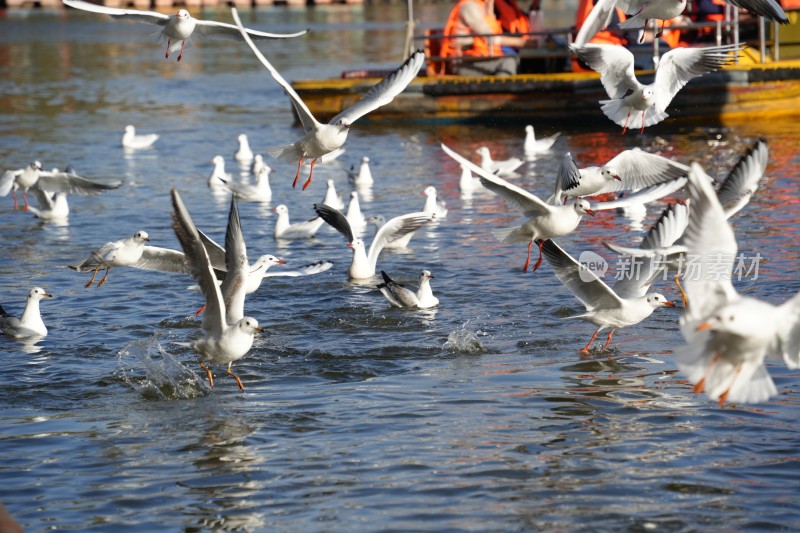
[{"x": 478, "y": 414}]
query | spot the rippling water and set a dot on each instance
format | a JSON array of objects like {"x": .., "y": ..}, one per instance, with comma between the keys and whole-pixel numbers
[{"x": 478, "y": 415}]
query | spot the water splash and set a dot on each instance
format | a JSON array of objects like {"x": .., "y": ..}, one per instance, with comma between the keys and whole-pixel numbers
[
  {"x": 464, "y": 340},
  {"x": 165, "y": 378}
]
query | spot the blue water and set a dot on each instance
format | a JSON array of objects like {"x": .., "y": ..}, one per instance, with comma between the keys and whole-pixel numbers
[{"x": 479, "y": 415}]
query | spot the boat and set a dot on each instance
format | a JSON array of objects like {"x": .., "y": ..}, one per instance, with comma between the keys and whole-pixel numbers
[{"x": 764, "y": 83}]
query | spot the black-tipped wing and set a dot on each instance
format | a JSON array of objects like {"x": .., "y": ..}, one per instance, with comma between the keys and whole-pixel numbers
[
  {"x": 236, "y": 266},
  {"x": 742, "y": 181},
  {"x": 336, "y": 219}
]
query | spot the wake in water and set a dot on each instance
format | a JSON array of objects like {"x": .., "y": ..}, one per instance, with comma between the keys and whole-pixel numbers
[{"x": 165, "y": 378}]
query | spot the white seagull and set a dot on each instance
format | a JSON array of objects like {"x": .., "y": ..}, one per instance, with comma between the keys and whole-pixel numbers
[
  {"x": 320, "y": 139},
  {"x": 363, "y": 264},
  {"x": 30, "y": 324},
  {"x": 260, "y": 191},
  {"x": 728, "y": 335},
  {"x": 130, "y": 252},
  {"x": 432, "y": 204},
  {"x": 400, "y": 243},
  {"x": 222, "y": 342},
  {"x": 178, "y": 28},
  {"x": 467, "y": 183},
  {"x": 533, "y": 146},
  {"x": 356, "y": 219},
  {"x": 132, "y": 141},
  {"x": 219, "y": 179},
  {"x": 628, "y": 303},
  {"x": 630, "y": 170},
  {"x": 399, "y": 295},
  {"x": 258, "y": 164},
  {"x": 545, "y": 221},
  {"x": 362, "y": 177},
  {"x": 53, "y": 207},
  {"x": 504, "y": 167},
  {"x": 635, "y": 105},
  {"x": 332, "y": 198},
  {"x": 243, "y": 154},
  {"x": 285, "y": 230},
  {"x": 52, "y": 182}
]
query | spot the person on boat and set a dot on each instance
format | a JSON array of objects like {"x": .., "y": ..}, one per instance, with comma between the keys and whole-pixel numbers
[{"x": 474, "y": 33}]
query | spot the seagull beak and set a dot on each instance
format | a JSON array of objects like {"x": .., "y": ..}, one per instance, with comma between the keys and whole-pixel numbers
[
  {"x": 281, "y": 262},
  {"x": 258, "y": 328},
  {"x": 616, "y": 177},
  {"x": 705, "y": 326},
  {"x": 669, "y": 304},
  {"x": 589, "y": 212},
  {"x": 350, "y": 244},
  {"x": 47, "y": 295}
]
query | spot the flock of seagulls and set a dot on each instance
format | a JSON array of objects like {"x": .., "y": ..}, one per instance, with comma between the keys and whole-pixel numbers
[{"x": 727, "y": 335}]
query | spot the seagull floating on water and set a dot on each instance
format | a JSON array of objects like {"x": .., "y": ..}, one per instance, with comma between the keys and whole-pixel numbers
[
  {"x": 533, "y": 146},
  {"x": 432, "y": 204},
  {"x": 399, "y": 295},
  {"x": 356, "y": 219},
  {"x": 33, "y": 176},
  {"x": 132, "y": 141},
  {"x": 320, "y": 139},
  {"x": 30, "y": 324},
  {"x": 285, "y": 230},
  {"x": 636, "y": 105},
  {"x": 243, "y": 154},
  {"x": 260, "y": 191},
  {"x": 362, "y": 177},
  {"x": 332, "y": 198},
  {"x": 178, "y": 28},
  {"x": 504, "y": 167},
  {"x": 53, "y": 207}
]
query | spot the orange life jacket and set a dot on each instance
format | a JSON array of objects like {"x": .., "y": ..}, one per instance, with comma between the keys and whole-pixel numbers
[
  {"x": 512, "y": 18},
  {"x": 480, "y": 45}
]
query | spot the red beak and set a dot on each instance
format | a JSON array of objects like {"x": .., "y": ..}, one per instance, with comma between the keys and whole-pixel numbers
[
  {"x": 589, "y": 212},
  {"x": 705, "y": 326},
  {"x": 669, "y": 304}
]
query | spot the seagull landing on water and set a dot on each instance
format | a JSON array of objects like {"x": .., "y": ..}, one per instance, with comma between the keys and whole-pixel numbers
[
  {"x": 626, "y": 304},
  {"x": 124, "y": 252},
  {"x": 30, "y": 324},
  {"x": 399, "y": 295},
  {"x": 544, "y": 220},
  {"x": 320, "y": 139},
  {"x": 635, "y": 105},
  {"x": 178, "y": 28}
]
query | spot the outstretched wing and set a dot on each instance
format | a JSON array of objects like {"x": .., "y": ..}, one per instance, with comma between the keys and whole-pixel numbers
[
  {"x": 236, "y": 267},
  {"x": 394, "y": 229},
  {"x": 134, "y": 15},
  {"x": 306, "y": 118},
  {"x": 638, "y": 169},
  {"x": 742, "y": 181},
  {"x": 680, "y": 65},
  {"x": 614, "y": 63},
  {"x": 385, "y": 91},
  {"x": 335, "y": 218},
  {"x": 72, "y": 183}
]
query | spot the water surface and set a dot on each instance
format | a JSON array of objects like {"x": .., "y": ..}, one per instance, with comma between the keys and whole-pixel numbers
[{"x": 479, "y": 415}]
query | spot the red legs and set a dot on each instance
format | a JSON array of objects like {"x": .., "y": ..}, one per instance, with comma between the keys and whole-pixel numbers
[
  {"x": 200, "y": 311},
  {"x": 208, "y": 372},
  {"x": 104, "y": 278},
  {"x": 238, "y": 381},
  {"x": 96, "y": 270},
  {"x": 588, "y": 344},
  {"x": 724, "y": 396},
  {"x": 625, "y": 126},
  {"x": 310, "y": 172},
  {"x": 299, "y": 166},
  {"x": 14, "y": 196},
  {"x": 25, "y": 197},
  {"x": 608, "y": 339},
  {"x": 642, "y": 130},
  {"x": 181, "y": 54},
  {"x": 528, "y": 260},
  {"x": 700, "y": 386},
  {"x": 168, "y": 43}
]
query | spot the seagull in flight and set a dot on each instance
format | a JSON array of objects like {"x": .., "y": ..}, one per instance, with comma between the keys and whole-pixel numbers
[
  {"x": 222, "y": 342},
  {"x": 51, "y": 181},
  {"x": 626, "y": 304},
  {"x": 178, "y": 28},
  {"x": 321, "y": 139},
  {"x": 363, "y": 263},
  {"x": 633, "y": 104}
]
